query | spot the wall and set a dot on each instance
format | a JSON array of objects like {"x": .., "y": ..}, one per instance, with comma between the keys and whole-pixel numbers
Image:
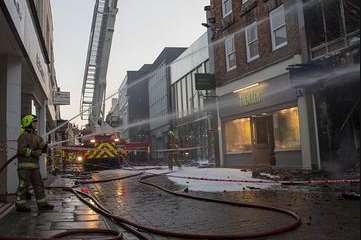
[
  {"x": 237, "y": 21},
  {"x": 196, "y": 54}
]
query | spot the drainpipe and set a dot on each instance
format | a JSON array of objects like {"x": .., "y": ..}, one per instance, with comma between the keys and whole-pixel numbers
[
  {"x": 210, "y": 31},
  {"x": 220, "y": 135}
]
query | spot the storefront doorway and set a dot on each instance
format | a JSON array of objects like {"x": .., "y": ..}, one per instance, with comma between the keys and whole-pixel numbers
[{"x": 263, "y": 140}]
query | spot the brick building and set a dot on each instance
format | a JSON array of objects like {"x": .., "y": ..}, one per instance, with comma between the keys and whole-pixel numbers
[{"x": 264, "y": 121}]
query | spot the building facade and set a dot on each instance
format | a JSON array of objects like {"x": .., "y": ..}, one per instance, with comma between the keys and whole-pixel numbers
[
  {"x": 123, "y": 109},
  {"x": 191, "y": 121},
  {"x": 27, "y": 77},
  {"x": 113, "y": 117},
  {"x": 330, "y": 79},
  {"x": 264, "y": 121},
  {"x": 138, "y": 104},
  {"x": 160, "y": 101}
]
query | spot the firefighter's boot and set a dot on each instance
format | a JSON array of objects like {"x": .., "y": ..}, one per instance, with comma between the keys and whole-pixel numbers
[
  {"x": 28, "y": 195},
  {"x": 22, "y": 208},
  {"x": 46, "y": 207}
]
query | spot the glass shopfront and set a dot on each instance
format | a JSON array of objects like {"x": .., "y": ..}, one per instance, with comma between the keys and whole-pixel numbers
[
  {"x": 286, "y": 125},
  {"x": 194, "y": 137},
  {"x": 238, "y": 136},
  {"x": 264, "y": 134},
  {"x": 191, "y": 121}
]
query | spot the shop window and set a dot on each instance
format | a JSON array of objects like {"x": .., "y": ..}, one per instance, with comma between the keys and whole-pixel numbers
[
  {"x": 238, "y": 136},
  {"x": 278, "y": 28},
  {"x": 287, "y": 129}
]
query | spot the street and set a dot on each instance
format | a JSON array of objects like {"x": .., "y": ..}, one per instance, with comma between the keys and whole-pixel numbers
[
  {"x": 174, "y": 119},
  {"x": 325, "y": 215},
  {"x": 324, "y": 212}
]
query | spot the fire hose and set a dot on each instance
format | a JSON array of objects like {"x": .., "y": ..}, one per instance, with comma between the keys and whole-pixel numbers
[
  {"x": 134, "y": 227},
  {"x": 118, "y": 220},
  {"x": 68, "y": 233}
]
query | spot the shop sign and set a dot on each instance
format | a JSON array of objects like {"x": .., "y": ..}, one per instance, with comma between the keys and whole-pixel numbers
[
  {"x": 205, "y": 81},
  {"x": 62, "y": 98},
  {"x": 251, "y": 97}
]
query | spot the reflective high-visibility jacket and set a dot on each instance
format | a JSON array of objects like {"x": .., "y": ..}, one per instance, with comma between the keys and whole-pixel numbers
[{"x": 30, "y": 148}]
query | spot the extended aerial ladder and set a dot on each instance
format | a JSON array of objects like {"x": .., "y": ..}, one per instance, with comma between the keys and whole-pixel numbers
[{"x": 94, "y": 84}]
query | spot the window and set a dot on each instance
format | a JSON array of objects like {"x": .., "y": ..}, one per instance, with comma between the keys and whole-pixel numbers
[
  {"x": 238, "y": 136},
  {"x": 278, "y": 28},
  {"x": 201, "y": 93},
  {"x": 179, "y": 100},
  {"x": 195, "y": 92},
  {"x": 352, "y": 15},
  {"x": 230, "y": 53},
  {"x": 184, "y": 97},
  {"x": 190, "y": 94},
  {"x": 252, "y": 42},
  {"x": 287, "y": 129},
  {"x": 227, "y": 7}
]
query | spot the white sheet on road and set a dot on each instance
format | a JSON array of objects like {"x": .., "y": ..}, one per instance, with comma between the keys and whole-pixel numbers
[
  {"x": 216, "y": 173},
  {"x": 219, "y": 173},
  {"x": 201, "y": 185}
]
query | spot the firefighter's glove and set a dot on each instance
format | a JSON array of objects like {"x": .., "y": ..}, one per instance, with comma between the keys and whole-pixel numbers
[{"x": 28, "y": 152}]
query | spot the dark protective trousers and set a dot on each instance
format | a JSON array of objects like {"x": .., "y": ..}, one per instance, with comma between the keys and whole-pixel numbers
[
  {"x": 29, "y": 177},
  {"x": 173, "y": 157}
]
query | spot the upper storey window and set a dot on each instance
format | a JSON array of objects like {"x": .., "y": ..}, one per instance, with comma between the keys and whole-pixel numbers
[
  {"x": 278, "y": 28},
  {"x": 227, "y": 7}
]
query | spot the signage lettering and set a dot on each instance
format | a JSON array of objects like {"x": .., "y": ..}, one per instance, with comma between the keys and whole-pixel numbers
[{"x": 251, "y": 97}]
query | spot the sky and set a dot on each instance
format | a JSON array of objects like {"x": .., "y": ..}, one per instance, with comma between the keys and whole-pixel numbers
[{"x": 143, "y": 28}]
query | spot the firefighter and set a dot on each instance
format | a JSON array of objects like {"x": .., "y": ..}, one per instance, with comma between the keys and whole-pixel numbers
[
  {"x": 30, "y": 148},
  {"x": 173, "y": 152}
]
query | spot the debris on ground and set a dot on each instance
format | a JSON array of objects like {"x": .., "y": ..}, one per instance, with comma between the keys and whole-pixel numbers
[{"x": 351, "y": 196}]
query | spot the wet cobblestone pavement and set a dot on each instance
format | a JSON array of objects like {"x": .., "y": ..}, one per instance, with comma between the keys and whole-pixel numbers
[
  {"x": 325, "y": 215},
  {"x": 69, "y": 213}
]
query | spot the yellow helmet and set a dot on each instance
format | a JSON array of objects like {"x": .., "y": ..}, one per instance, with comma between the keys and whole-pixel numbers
[{"x": 28, "y": 120}]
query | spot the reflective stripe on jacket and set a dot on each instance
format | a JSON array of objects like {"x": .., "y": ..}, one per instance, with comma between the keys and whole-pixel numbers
[{"x": 29, "y": 141}]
